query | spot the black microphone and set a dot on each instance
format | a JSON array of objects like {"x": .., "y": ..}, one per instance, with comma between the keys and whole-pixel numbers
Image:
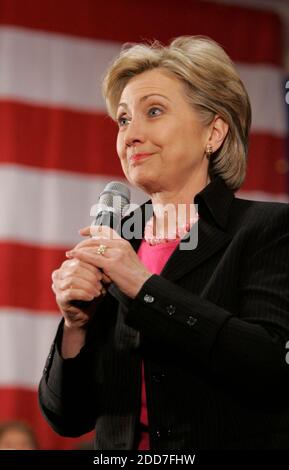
[
  {"x": 112, "y": 203},
  {"x": 109, "y": 210}
]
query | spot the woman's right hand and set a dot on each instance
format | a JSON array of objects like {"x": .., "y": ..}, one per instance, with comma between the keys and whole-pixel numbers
[{"x": 77, "y": 287}]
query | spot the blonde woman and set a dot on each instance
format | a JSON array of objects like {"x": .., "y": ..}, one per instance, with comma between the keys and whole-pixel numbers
[{"x": 187, "y": 348}]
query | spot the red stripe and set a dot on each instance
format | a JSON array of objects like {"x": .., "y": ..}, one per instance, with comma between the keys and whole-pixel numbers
[
  {"x": 25, "y": 276},
  {"x": 267, "y": 165},
  {"x": 22, "y": 404},
  {"x": 147, "y": 19},
  {"x": 58, "y": 139}
]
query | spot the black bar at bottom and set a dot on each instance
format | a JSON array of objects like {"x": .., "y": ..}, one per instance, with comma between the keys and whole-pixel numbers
[{"x": 196, "y": 459}]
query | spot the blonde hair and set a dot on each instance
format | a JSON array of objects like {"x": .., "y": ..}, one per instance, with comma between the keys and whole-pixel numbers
[{"x": 212, "y": 86}]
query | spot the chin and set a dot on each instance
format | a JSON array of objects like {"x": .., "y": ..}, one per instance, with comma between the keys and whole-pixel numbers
[{"x": 148, "y": 186}]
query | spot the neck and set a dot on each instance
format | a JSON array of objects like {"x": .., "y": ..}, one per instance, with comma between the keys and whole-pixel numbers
[{"x": 177, "y": 202}]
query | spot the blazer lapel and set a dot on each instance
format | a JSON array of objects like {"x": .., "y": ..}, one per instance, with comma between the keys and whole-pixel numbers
[
  {"x": 214, "y": 205},
  {"x": 210, "y": 240}
]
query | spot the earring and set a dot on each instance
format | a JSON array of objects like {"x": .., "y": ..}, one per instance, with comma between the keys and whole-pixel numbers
[{"x": 209, "y": 151}]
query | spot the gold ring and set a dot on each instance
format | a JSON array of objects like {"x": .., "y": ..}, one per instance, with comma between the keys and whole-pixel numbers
[{"x": 101, "y": 249}]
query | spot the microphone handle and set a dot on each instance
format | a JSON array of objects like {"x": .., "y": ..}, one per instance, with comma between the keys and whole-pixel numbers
[{"x": 108, "y": 218}]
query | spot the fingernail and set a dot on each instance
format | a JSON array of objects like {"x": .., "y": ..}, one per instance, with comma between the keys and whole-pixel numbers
[{"x": 70, "y": 254}]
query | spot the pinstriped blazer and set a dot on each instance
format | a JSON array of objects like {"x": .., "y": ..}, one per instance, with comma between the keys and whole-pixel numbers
[{"x": 211, "y": 331}]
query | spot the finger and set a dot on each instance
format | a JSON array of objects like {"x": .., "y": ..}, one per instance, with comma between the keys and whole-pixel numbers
[
  {"x": 92, "y": 242},
  {"x": 85, "y": 231},
  {"x": 96, "y": 242},
  {"x": 91, "y": 287},
  {"x": 106, "y": 251},
  {"x": 106, "y": 279},
  {"x": 76, "y": 294},
  {"x": 73, "y": 265},
  {"x": 55, "y": 275},
  {"x": 102, "y": 231},
  {"x": 89, "y": 256},
  {"x": 95, "y": 231}
]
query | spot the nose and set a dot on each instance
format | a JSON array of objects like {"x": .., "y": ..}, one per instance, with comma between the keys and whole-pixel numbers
[{"x": 134, "y": 132}]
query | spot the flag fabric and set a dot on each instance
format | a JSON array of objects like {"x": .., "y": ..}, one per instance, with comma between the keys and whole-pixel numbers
[{"x": 57, "y": 148}]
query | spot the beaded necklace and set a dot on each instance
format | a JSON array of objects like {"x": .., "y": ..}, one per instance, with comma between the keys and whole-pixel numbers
[{"x": 152, "y": 239}]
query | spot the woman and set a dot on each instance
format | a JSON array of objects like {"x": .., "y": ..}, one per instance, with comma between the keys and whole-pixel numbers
[{"x": 187, "y": 348}]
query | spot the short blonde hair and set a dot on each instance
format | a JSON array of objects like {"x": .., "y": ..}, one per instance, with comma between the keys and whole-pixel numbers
[{"x": 212, "y": 86}]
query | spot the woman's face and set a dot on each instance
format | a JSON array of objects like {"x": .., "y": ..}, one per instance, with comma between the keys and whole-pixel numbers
[{"x": 161, "y": 142}]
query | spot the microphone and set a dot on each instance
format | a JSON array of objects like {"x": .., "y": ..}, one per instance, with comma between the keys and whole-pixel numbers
[
  {"x": 109, "y": 210},
  {"x": 111, "y": 205}
]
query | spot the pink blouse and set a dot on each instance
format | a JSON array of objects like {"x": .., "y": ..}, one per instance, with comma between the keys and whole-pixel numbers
[{"x": 154, "y": 257}]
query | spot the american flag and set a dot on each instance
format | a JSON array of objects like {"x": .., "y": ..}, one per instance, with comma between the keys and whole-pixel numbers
[{"x": 57, "y": 148}]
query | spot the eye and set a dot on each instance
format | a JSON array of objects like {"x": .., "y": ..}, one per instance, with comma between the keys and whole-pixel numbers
[
  {"x": 154, "y": 111},
  {"x": 122, "y": 121}
]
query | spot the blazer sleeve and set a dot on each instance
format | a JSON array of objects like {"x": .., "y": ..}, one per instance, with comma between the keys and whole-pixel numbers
[
  {"x": 215, "y": 343},
  {"x": 65, "y": 391},
  {"x": 69, "y": 388}
]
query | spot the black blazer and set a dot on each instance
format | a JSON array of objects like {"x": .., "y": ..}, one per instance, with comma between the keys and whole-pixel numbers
[{"x": 212, "y": 335}]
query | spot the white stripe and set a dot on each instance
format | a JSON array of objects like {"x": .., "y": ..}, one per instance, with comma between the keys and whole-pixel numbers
[
  {"x": 25, "y": 340},
  {"x": 53, "y": 69},
  {"x": 262, "y": 196},
  {"x": 48, "y": 207},
  {"x": 266, "y": 88}
]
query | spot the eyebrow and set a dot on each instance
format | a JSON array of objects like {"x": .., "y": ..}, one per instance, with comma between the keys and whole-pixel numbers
[{"x": 144, "y": 98}]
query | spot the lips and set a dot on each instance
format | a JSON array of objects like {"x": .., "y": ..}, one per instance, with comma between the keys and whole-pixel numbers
[{"x": 139, "y": 156}]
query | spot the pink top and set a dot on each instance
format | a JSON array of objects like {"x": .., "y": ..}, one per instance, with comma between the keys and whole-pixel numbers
[{"x": 154, "y": 257}]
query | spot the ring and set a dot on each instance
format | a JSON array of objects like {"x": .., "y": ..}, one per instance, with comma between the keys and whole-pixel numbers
[{"x": 101, "y": 249}]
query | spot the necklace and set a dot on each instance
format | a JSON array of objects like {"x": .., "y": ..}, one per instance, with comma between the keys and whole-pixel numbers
[{"x": 152, "y": 239}]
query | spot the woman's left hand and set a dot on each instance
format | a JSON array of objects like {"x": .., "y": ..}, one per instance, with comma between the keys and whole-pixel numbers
[{"x": 119, "y": 262}]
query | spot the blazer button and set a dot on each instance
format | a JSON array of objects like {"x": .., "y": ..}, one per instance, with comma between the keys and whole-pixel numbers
[
  {"x": 170, "y": 309},
  {"x": 149, "y": 299},
  {"x": 191, "y": 321},
  {"x": 163, "y": 433},
  {"x": 157, "y": 378}
]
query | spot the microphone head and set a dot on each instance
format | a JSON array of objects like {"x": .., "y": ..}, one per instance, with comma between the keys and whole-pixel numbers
[{"x": 116, "y": 196}]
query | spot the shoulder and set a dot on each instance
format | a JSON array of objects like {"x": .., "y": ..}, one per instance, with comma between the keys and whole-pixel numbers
[
  {"x": 260, "y": 213},
  {"x": 260, "y": 227},
  {"x": 258, "y": 223}
]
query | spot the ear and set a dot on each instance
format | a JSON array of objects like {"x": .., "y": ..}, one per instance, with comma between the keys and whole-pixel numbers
[{"x": 218, "y": 131}]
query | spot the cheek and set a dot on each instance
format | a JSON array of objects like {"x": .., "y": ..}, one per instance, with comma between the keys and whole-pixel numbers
[{"x": 119, "y": 146}]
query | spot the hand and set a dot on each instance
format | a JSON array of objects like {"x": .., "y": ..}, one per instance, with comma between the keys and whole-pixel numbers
[
  {"x": 119, "y": 261},
  {"x": 77, "y": 286}
]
